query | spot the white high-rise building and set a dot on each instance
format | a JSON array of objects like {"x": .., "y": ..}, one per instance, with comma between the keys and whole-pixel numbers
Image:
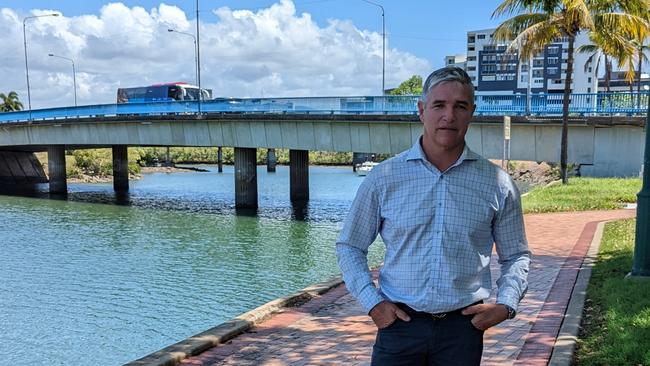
[
  {"x": 493, "y": 71},
  {"x": 456, "y": 60}
]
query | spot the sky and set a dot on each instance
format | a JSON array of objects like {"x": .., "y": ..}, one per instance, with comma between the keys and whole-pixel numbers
[{"x": 248, "y": 48}]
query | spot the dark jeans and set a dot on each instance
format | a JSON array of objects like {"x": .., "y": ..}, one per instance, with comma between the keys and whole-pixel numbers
[{"x": 425, "y": 340}]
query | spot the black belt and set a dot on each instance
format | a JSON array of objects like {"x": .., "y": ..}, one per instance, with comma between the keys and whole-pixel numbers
[{"x": 410, "y": 311}]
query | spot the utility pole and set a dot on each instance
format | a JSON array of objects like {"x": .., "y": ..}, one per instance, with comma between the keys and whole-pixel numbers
[{"x": 641, "y": 265}]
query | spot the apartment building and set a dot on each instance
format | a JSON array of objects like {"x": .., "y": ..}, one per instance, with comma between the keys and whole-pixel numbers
[
  {"x": 457, "y": 61},
  {"x": 494, "y": 71}
]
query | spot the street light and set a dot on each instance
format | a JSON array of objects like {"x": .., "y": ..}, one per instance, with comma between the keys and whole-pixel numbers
[
  {"x": 29, "y": 97},
  {"x": 383, "y": 46},
  {"x": 74, "y": 75},
  {"x": 196, "y": 58}
]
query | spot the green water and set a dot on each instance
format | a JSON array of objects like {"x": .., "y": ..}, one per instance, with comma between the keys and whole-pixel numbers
[{"x": 103, "y": 280}]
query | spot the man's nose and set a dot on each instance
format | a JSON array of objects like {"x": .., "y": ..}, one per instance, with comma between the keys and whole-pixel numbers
[{"x": 448, "y": 113}]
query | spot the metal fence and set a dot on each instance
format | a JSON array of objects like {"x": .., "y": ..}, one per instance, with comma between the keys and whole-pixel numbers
[{"x": 617, "y": 103}]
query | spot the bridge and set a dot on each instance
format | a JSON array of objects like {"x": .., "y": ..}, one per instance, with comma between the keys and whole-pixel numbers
[{"x": 605, "y": 138}]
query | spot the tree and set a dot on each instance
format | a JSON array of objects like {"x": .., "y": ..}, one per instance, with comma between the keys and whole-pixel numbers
[
  {"x": 607, "y": 44},
  {"x": 412, "y": 86},
  {"x": 537, "y": 23},
  {"x": 10, "y": 102}
]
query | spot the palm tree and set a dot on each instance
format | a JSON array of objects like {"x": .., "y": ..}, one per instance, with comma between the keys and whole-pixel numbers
[
  {"x": 608, "y": 44},
  {"x": 10, "y": 102},
  {"x": 537, "y": 23}
]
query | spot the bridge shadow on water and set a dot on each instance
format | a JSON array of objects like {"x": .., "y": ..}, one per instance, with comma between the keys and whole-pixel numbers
[{"x": 269, "y": 207}]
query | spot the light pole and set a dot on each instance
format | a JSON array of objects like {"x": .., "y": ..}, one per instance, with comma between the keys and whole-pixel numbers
[
  {"x": 29, "y": 97},
  {"x": 74, "y": 75},
  {"x": 641, "y": 265},
  {"x": 383, "y": 46},
  {"x": 196, "y": 58}
]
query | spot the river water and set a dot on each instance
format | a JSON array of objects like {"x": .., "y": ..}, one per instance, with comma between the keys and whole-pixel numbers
[{"x": 96, "y": 279}]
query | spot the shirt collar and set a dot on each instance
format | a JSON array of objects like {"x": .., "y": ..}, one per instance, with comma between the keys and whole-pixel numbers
[{"x": 416, "y": 153}]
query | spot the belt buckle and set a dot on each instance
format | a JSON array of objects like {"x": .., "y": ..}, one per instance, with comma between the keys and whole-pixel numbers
[{"x": 438, "y": 316}]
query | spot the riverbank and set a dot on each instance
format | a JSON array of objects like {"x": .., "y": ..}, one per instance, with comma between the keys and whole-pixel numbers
[{"x": 528, "y": 174}]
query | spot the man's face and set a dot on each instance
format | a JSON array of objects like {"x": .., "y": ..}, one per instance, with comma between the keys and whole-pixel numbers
[{"x": 446, "y": 113}]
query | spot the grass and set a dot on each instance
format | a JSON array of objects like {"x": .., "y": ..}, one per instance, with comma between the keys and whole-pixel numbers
[
  {"x": 616, "y": 318},
  {"x": 582, "y": 194}
]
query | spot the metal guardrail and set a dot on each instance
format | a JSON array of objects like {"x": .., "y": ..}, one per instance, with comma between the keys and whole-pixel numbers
[{"x": 618, "y": 103}]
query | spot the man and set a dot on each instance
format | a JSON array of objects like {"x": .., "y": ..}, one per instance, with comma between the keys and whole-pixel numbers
[{"x": 438, "y": 207}]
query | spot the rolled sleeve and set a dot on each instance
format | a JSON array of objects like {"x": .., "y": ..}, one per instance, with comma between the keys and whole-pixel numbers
[{"x": 512, "y": 249}]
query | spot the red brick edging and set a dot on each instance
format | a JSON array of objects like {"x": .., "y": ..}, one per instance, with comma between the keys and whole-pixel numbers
[{"x": 538, "y": 347}]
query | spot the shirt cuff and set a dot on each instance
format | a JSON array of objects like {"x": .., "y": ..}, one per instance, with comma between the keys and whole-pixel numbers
[
  {"x": 370, "y": 297},
  {"x": 508, "y": 298}
]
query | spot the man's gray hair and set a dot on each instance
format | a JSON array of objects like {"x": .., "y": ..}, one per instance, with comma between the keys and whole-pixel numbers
[{"x": 449, "y": 73}]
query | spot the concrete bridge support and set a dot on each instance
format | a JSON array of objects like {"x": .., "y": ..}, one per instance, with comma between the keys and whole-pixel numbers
[
  {"x": 245, "y": 177},
  {"x": 271, "y": 160},
  {"x": 299, "y": 175},
  {"x": 219, "y": 159},
  {"x": 120, "y": 168},
  {"x": 56, "y": 169}
]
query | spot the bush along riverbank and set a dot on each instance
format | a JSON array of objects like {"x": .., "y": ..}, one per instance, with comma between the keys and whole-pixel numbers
[{"x": 96, "y": 165}]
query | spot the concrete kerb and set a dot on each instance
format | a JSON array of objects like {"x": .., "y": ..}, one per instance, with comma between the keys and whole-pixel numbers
[
  {"x": 567, "y": 338},
  {"x": 172, "y": 355}
]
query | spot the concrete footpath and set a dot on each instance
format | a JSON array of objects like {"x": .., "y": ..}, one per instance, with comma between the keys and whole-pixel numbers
[{"x": 332, "y": 329}]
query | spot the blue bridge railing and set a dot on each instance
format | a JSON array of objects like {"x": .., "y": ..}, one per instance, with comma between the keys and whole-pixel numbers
[{"x": 619, "y": 103}]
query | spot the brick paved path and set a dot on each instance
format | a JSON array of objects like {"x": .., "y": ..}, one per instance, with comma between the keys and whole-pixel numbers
[{"x": 333, "y": 329}]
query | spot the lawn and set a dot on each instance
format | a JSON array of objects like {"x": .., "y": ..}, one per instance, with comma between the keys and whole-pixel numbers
[
  {"x": 582, "y": 194},
  {"x": 616, "y": 319}
]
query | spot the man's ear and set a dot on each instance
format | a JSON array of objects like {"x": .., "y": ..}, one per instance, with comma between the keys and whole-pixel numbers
[{"x": 420, "y": 108}]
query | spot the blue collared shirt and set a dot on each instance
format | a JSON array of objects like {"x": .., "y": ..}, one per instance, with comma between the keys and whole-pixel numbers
[{"x": 438, "y": 229}]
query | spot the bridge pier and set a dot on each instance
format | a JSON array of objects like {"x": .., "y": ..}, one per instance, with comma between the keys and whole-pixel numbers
[
  {"x": 56, "y": 169},
  {"x": 271, "y": 160},
  {"x": 219, "y": 160},
  {"x": 299, "y": 175},
  {"x": 245, "y": 177},
  {"x": 120, "y": 168}
]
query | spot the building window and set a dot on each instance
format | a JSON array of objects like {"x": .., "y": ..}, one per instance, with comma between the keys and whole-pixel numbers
[
  {"x": 589, "y": 79},
  {"x": 471, "y": 68},
  {"x": 538, "y": 81},
  {"x": 471, "y": 39},
  {"x": 524, "y": 68},
  {"x": 552, "y": 70},
  {"x": 552, "y": 60},
  {"x": 480, "y": 36},
  {"x": 471, "y": 58},
  {"x": 524, "y": 78},
  {"x": 589, "y": 70},
  {"x": 471, "y": 48},
  {"x": 588, "y": 90},
  {"x": 552, "y": 50},
  {"x": 538, "y": 63},
  {"x": 538, "y": 73}
]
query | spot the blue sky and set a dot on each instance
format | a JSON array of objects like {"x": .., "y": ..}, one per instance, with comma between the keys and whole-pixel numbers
[{"x": 419, "y": 35}]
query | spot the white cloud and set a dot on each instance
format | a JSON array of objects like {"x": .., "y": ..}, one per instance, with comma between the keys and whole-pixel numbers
[{"x": 271, "y": 52}]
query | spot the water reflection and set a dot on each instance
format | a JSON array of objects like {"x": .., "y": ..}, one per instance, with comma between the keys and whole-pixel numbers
[{"x": 106, "y": 283}]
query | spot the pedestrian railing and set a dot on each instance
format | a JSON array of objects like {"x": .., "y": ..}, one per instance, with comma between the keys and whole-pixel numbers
[{"x": 548, "y": 104}]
